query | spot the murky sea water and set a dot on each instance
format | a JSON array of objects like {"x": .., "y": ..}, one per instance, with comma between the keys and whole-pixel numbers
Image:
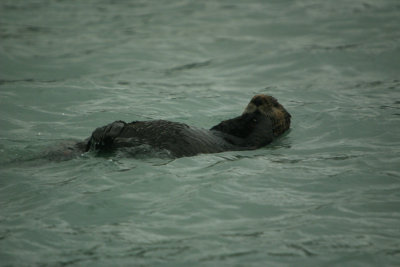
[{"x": 327, "y": 193}]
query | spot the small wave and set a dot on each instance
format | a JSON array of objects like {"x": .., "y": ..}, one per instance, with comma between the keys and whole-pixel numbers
[{"x": 189, "y": 66}]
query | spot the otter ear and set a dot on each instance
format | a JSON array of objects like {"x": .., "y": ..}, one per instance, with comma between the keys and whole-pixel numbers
[{"x": 261, "y": 135}]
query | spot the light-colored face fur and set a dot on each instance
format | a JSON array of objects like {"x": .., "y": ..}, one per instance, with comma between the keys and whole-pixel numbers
[{"x": 270, "y": 107}]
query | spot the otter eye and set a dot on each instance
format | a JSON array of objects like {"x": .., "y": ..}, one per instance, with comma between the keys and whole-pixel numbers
[{"x": 257, "y": 102}]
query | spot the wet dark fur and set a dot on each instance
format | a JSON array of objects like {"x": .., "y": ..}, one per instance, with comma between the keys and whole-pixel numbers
[{"x": 263, "y": 120}]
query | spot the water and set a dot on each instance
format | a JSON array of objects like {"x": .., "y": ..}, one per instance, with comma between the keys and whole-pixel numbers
[{"x": 327, "y": 193}]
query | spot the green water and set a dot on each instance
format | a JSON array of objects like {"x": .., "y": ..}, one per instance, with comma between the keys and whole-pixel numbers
[{"x": 325, "y": 194}]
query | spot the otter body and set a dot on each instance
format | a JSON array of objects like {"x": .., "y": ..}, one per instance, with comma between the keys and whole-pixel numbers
[{"x": 263, "y": 120}]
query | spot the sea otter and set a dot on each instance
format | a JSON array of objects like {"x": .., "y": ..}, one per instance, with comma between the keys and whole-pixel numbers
[{"x": 263, "y": 120}]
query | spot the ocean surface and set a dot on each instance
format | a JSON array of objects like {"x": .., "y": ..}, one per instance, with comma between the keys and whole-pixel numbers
[{"x": 325, "y": 194}]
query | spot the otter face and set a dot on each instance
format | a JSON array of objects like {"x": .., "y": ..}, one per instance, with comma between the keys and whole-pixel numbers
[{"x": 269, "y": 106}]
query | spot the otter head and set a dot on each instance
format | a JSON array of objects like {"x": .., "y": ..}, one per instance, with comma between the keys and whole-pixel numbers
[{"x": 269, "y": 107}]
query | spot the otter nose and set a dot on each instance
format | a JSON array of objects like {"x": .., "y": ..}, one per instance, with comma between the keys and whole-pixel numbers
[{"x": 258, "y": 101}]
